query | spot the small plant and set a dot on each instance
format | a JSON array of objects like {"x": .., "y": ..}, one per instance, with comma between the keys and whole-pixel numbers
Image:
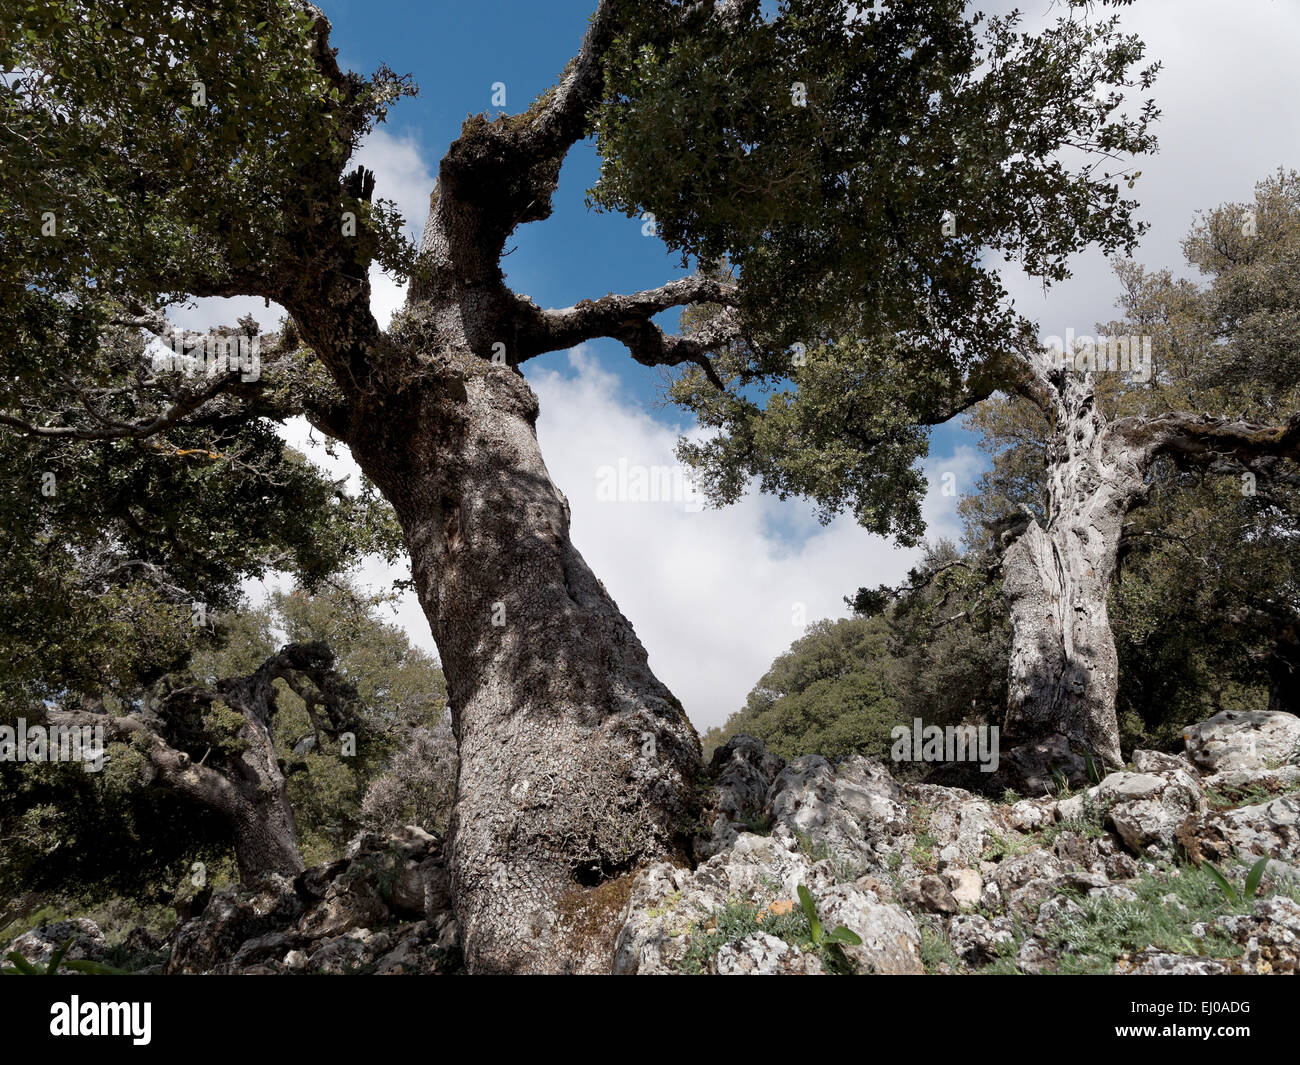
[
  {"x": 1248, "y": 891},
  {"x": 1000, "y": 847},
  {"x": 937, "y": 953},
  {"x": 1094, "y": 773},
  {"x": 815, "y": 850},
  {"x": 22, "y": 967},
  {"x": 841, "y": 936}
]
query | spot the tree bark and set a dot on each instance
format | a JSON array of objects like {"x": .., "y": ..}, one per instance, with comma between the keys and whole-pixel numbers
[
  {"x": 260, "y": 814},
  {"x": 266, "y": 837},
  {"x": 1064, "y": 673},
  {"x": 576, "y": 762}
]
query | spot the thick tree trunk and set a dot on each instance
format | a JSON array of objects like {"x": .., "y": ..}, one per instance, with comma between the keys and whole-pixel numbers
[
  {"x": 266, "y": 839},
  {"x": 1064, "y": 673},
  {"x": 260, "y": 814},
  {"x": 576, "y": 763}
]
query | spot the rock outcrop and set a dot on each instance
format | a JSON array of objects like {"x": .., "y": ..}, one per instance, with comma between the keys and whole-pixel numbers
[{"x": 903, "y": 877}]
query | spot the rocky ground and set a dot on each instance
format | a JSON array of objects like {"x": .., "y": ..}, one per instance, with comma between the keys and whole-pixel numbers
[{"x": 1058, "y": 875}]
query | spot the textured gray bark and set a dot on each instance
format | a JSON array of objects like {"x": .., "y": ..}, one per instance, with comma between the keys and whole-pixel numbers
[
  {"x": 1064, "y": 673},
  {"x": 576, "y": 763}
]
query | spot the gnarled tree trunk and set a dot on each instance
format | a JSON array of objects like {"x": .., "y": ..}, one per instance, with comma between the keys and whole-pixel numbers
[
  {"x": 1064, "y": 672},
  {"x": 246, "y": 786},
  {"x": 259, "y": 812},
  {"x": 576, "y": 763},
  {"x": 1056, "y": 575}
]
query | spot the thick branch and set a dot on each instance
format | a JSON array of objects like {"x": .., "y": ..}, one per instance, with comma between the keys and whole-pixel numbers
[
  {"x": 174, "y": 768},
  {"x": 627, "y": 318},
  {"x": 1198, "y": 440}
]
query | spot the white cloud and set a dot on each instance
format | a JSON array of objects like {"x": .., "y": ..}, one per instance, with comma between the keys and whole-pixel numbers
[
  {"x": 714, "y": 595},
  {"x": 401, "y": 175}
]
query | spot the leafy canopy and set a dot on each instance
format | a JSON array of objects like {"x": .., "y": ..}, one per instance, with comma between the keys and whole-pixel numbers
[{"x": 864, "y": 313}]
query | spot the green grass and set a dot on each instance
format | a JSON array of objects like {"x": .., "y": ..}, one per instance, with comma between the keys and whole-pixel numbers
[
  {"x": 760, "y": 824},
  {"x": 936, "y": 950},
  {"x": 739, "y": 919},
  {"x": 1107, "y": 929},
  {"x": 1000, "y": 846}
]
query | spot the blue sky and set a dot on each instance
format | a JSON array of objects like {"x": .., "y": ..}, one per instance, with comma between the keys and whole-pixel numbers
[{"x": 715, "y": 596}]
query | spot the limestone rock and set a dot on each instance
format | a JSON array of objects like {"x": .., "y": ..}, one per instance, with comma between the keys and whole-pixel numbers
[
  {"x": 976, "y": 939},
  {"x": 1270, "y": 935},
  {"x": 891, "y": 942},
  {"x": 39, "y": 944},
  {"x": 966, "y": 886},
  {"x": 1156, "y": 962},
  {"x": 1269, "y": 828},
  {"x": 763, "y": 955},
  {"x": 208, "y": 942},
  {"x": 856, "y": 813},
  {"x": 743, "y": 770},
  {"x": 1243, "y": 740}
]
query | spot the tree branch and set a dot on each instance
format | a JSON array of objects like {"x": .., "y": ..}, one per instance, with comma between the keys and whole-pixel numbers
[
  {"x": 173, "y": 767},
  {"x": 627, "y": 318},
  {"x": 189, "y": 401},
  {"x": 1199, "y": 440}
]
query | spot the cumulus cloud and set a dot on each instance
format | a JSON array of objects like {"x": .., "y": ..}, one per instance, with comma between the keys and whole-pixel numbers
[{"x": 714, "y": 594}]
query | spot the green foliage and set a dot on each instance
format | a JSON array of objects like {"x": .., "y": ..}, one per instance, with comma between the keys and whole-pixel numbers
[
  {"x": 735, "y": 166},
  {"x": 734, "y": 922},
  {"x": 864, "y": 312},
  {"x": 937, "y": 953},
  {"x": 85, "y": 837},
  {"x": 159, "y": 188},
  {"x": 399, "y": 689},
  {"x": 820, "y": 937},
  {"x": 1246, "y": 895},
  {"x": 1107, "y": 928},
  {"x": 937, "y": 652},
  {"x": 830, "y": 693},
  {"x": 99, "y": 579},
  {"x": 797, "y": 926}
]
